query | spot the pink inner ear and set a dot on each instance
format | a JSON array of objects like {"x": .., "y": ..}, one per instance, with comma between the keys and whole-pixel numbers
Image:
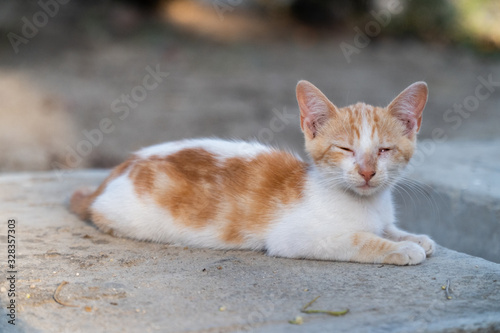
[
  {"x": 314, "y": 108},
  {"x": 409, "y": 123},
  {"x": 409, "y": 105},
  {"x": 311, "y": 125}
]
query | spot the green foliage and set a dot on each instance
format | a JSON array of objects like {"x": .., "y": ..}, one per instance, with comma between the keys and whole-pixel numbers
[
  {"x": 425, "y": 19},
  {"x": 478, "y": 23}
]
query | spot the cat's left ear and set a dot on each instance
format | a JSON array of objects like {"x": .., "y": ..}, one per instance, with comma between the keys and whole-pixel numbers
[{"x": 409, "y": 105}]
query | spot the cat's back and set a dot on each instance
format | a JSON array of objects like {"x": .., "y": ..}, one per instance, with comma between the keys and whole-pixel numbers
[
  {"x": 217, "y": 147},
  {"x": 227, "y": 191}
]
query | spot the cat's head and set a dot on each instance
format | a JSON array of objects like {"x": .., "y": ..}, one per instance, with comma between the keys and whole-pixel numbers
[{"x": 360, "y": 147}]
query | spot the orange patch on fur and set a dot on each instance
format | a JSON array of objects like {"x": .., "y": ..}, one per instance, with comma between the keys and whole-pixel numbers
[
  {"x": 143, "y": 176},
  {"x": 333, "y": 157},
  {"x": 102, "y": 223},
  {"x": 356, "y": 239},
  {"x": 406, "y": 149},
  {"x": 184, "y": 183},
  {"x": 370, "y": 246},
  {"x": 240, "y": 194},
  {"x": 269, "y": 180},
  {"x": 79, "y": 203},
  {"x": 354, "y": 123}
]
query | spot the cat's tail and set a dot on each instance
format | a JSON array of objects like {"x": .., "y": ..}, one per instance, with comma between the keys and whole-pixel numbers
[{"x": 81, "y": 200}]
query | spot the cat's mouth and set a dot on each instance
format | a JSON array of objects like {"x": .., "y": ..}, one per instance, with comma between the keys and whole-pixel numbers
[{"x": 366, "y": 189}]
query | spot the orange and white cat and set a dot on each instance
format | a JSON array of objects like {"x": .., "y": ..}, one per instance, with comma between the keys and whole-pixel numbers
[{"x": 244, "y": 195}]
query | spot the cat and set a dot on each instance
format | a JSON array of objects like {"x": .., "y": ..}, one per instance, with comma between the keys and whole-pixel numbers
[{"x": 243, "y": 195}]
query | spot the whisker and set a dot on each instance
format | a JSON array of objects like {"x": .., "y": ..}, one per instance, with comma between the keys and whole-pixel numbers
[
  {"x": 407, "y": 193},
  {"x": 420, "y": 190},
  {"x": 418, "y": 187}
]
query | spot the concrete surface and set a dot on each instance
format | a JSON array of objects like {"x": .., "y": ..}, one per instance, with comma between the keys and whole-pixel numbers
[
  {"x": 120, "y": 285},
  {"x": 457, "y": 196}
]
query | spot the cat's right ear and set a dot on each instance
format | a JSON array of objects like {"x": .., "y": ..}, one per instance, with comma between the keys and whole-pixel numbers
[
  {"x": 409, "y": 105},
  {"x": 314, "y": 107}
]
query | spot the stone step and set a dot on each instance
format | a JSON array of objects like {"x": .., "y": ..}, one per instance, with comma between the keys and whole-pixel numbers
[
  {"x": 121, "y": 285},
  {"x": 457, "y": 197}
]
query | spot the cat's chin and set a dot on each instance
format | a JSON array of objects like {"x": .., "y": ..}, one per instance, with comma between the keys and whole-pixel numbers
[{"x": 366, "y": 190}]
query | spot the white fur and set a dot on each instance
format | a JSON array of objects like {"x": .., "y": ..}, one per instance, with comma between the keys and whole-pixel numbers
[
  {"x": 320, "y": 226},
  {"x": 221, "y": 148},
  {"x": 365, "y": 140}
]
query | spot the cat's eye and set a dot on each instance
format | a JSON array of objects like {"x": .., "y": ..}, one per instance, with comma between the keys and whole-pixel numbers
[
  {"x": 383, "y": 150},
  {"x": 346, "y": 149}
]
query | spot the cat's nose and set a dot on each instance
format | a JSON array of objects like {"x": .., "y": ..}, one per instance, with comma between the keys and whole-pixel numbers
[{"x": 367, "y": 174}]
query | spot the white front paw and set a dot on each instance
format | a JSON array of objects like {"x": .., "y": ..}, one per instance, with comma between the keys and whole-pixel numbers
[
  {"x": 424, "y": 241},
  {"x": 407, "y": 253}
]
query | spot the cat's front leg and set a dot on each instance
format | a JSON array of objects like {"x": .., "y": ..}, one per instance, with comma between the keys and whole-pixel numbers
[
  {"x": 393, "y": 233},
  {"x": 370, "y": 248},
  {"x": 364, "y": 247}
]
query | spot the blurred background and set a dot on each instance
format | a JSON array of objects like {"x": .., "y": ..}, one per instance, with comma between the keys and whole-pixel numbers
[{"x": 84, "y": 83}]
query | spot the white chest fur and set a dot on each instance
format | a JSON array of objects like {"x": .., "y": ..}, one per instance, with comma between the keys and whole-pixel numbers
[{"x": 326, "y": 216}]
